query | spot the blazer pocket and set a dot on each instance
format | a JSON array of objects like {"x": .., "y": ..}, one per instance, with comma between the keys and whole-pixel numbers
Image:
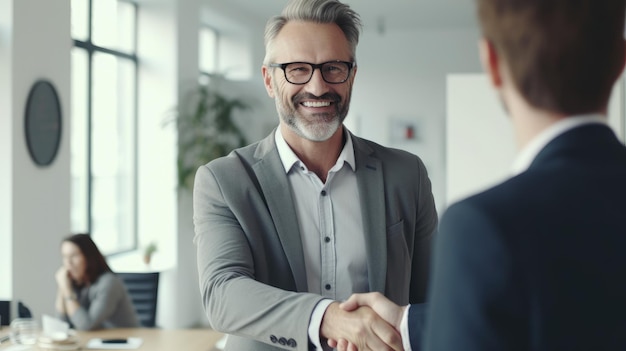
[
  {"x": 395, "y": 229},
  {"x": 396, "y": 241}
]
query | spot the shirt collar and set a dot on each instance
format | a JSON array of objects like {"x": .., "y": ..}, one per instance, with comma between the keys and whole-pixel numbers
[
  {"x": 289, "y": 158},
  {"x": 532, "y": 149}
]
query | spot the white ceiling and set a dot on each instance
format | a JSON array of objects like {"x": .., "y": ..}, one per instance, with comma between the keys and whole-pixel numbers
[{"x": 375, "y": 14}]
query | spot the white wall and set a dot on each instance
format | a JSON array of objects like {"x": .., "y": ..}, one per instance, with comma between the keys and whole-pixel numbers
[
  {"x": 158, "y": 86},
  {"x": 6, "y": 150},
  {"x": 481, "y": 145},
  {"x": 157, "y": 144},
  {"x": 38, "y": 201},
  {"x": 168, "y": 32},
  {"x": 402, "y": 74},
  {"x": 185, "y": 277},
  {"x": 480, "y": 140}
]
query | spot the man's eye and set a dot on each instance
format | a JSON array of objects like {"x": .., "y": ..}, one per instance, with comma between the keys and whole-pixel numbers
[
  {"x": 299, "y": 69},
  {"x": 334, "y": 68}
]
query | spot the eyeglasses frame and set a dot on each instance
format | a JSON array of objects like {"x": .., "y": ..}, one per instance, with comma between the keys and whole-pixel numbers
[{"x": 315, "y": 66}]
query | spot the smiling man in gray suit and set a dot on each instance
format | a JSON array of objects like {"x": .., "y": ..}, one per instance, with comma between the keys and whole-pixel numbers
[{"x": 288, "y": 226}]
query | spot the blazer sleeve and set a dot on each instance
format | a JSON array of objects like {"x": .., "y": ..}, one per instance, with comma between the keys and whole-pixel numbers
[
  {"x": 104, "y": 297},
  {"x": 416, "y": 325},
  {"x": 425, "y": 230},
  {"x": 234, "y": 301},
  {"x": 474, "y": 303}
]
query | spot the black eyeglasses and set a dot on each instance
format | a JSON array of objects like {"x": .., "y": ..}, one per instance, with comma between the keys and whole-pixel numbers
[{"x": 333, "y": 72}]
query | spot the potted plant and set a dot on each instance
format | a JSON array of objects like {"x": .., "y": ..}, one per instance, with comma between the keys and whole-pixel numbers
[
  {"x": 206, "y": 129},
  {"x": 148, "y": 252}
]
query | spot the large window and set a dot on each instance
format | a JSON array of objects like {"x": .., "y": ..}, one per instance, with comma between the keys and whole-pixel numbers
[{"x": 104, "y": 123}]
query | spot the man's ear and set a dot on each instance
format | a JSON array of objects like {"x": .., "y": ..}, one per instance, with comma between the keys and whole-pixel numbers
[
  {"x": 267, "y": 80},
  {"x": 490, "y": 61}
]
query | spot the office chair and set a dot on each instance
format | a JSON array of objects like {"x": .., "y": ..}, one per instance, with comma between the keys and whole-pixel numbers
[
  {"x": 5, "y": 313},
  {"x": 23, "y": 311},
  {"x": 143, "y": 290}
]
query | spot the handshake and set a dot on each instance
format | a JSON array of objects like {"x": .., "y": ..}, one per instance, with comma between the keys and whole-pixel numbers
[{"x": 364, "y": 322}]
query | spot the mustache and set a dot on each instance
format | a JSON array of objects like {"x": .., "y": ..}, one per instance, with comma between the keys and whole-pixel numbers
[{"x": 298, "y": 98}]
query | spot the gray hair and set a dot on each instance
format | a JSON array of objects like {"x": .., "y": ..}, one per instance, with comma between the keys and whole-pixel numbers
[{"x": 319, "y": 11}]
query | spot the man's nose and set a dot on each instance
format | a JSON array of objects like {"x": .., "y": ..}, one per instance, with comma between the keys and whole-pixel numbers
[{"x": 317, "y": 85}]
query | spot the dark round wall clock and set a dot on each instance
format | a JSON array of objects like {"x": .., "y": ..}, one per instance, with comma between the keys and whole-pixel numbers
[{"x": 42, "y": 122}]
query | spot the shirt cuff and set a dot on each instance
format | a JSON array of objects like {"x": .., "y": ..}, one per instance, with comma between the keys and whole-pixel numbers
[
  {"x": 404, "y": 330},
  {"x": 316, "y": 322}
]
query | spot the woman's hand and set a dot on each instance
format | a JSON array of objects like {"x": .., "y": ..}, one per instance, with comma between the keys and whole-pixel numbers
[
  {"x": 64, "y": 289},
  {"x": 63, "y": 280}
]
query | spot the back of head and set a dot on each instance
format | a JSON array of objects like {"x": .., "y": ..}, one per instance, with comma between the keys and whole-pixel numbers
[
  {"x": 96, "y": 263},
  {"x": 563, "y": 55},
  {"x": 318, "y": 11}
]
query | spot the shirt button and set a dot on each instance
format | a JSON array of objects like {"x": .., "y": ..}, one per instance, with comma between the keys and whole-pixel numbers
[
  {"x": 323, "y": 192},
  {"x": 327, "y": 286},
  {"x": 327, "y": 239}
]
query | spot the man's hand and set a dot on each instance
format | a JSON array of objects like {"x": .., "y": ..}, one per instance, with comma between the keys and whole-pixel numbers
[
  {"x": 360, "y": 327},
  {"x": 386, "y": 309}
]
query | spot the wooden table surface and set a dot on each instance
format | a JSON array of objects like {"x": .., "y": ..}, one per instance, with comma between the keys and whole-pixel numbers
[{"x": 154, "y": 339}]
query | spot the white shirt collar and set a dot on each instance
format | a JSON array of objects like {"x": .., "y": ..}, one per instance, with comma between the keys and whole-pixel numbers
[
  {"x": 532, "y": 149},
  {"x": 289, "y": 158}
]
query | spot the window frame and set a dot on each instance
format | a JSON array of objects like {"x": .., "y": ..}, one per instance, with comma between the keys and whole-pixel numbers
[{"x": 90, "y": 50}]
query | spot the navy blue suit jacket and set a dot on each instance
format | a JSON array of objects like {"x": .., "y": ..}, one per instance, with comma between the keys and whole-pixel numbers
[{"x": 537, "y": 262}]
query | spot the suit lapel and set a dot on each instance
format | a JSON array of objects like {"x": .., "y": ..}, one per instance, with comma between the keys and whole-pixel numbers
[
  {"x": 277, "y": 192},
  {"x": 369, "y": 175}
]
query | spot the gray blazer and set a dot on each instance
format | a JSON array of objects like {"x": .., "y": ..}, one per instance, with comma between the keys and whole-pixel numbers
[
  {"x": 103, "y": 304},
  {"x": 249, "y": 252}
]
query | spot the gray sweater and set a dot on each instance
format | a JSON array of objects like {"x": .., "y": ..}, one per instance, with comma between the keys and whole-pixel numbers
[{"x": 103, "y": 304}]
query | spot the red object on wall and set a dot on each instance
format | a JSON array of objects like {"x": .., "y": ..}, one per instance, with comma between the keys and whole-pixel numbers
[{"x": 409, "y": 133}]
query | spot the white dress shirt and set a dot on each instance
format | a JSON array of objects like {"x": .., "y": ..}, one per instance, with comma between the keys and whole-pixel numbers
[
  {"x": 331, "y": 228},
  {"x": 522, "y": 161}
]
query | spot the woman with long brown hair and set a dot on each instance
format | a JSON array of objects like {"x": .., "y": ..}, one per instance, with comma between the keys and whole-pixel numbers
[{"x": 89, "y": 295}]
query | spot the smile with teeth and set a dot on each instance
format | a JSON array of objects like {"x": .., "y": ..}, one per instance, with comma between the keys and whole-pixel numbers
[{"x": 316, "y": 103}]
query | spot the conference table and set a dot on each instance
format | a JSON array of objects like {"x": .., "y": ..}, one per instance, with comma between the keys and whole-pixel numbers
[{"x": 154, "y": 339}]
